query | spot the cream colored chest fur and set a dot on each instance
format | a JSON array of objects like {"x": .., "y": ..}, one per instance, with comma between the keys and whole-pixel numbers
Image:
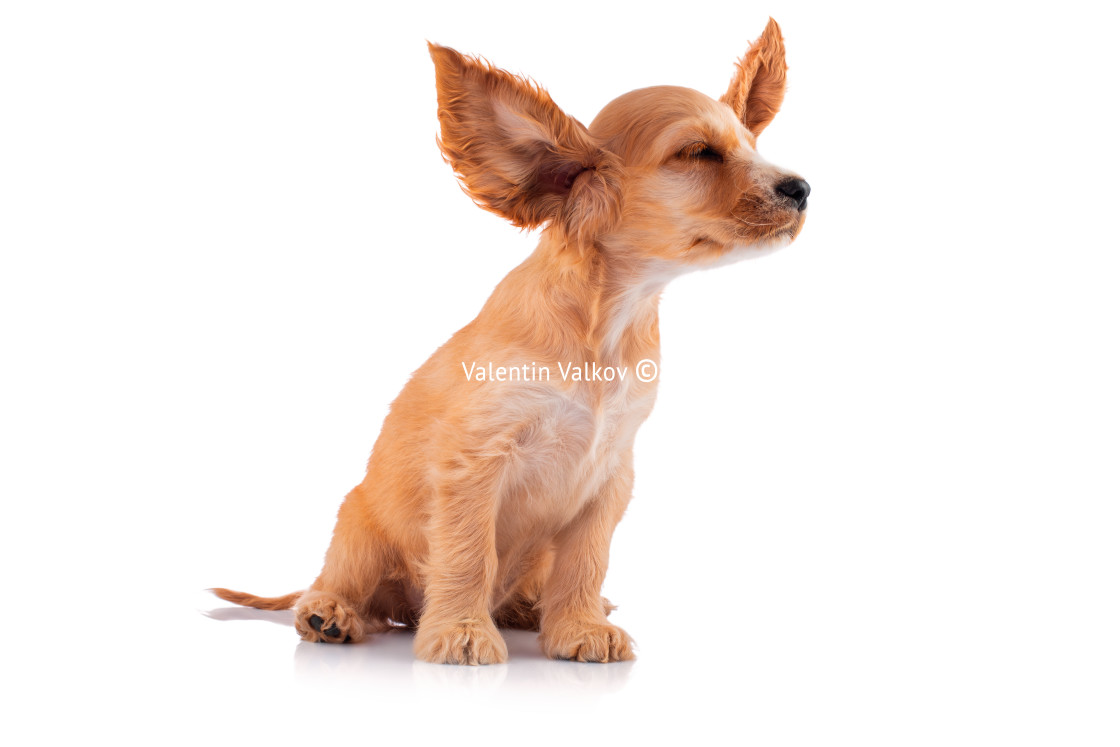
[{"x": 572, "y": 439}]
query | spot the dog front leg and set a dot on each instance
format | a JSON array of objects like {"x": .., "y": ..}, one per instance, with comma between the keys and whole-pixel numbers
[
  {"x": 456, "y": 626},
  {"x": 573, "y": 620}
]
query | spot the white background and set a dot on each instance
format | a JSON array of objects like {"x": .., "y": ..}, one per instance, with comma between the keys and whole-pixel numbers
[{"x": 876, "y": 504}]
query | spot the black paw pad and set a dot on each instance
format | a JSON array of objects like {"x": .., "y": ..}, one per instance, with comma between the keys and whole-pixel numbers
[
  {"x": 315, "y": 622},
  {"x": 332, "y": 631}
]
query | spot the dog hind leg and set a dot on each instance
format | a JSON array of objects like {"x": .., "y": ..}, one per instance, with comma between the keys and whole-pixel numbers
[{"x": 339, "y": 606}]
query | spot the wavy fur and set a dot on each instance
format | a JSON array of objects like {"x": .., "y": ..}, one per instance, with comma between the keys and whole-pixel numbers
[{"x": 492, "y": 503}]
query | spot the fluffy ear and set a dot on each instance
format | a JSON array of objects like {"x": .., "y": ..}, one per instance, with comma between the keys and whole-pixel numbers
[
  {"x": 517, "y": 154},
  {"x": 759, "y": 83}
]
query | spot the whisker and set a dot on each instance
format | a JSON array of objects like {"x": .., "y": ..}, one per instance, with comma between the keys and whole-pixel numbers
[{"x": 748, "y": 223}]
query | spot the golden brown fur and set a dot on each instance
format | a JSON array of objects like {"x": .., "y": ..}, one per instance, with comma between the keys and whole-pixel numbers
[{"x": 492, "y": 503}]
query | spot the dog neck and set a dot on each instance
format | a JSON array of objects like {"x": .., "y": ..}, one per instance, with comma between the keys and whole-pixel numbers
[{"x": 592, "y": 305}]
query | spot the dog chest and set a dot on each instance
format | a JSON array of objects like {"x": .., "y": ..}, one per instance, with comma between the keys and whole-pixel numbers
[{"x": 571, "y": 446}]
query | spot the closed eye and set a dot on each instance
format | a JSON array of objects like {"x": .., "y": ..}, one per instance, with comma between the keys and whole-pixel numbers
[{"x": 700, "y": 152}]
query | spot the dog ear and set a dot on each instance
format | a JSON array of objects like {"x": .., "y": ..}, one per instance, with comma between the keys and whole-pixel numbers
[
  {"x": 759, "y": 83},
  {"x": 517, "y": 154}
]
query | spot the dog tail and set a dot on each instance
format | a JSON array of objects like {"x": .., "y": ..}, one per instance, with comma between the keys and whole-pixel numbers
[{"x": 285, "y": 602}]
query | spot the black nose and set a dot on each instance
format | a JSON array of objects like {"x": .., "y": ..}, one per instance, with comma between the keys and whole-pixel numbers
[{"x": 795, "y": 189}]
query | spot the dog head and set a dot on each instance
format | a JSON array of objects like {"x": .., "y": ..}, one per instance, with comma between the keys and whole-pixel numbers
[{"x": 663, "y": 173}]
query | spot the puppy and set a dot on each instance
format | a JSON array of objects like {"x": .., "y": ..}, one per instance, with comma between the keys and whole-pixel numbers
[{"x": 506, "y": 462}]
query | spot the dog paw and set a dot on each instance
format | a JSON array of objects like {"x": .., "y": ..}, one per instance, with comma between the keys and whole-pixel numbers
[
  {"x": 322, "y": 618},
  {"x": 460, "y": 643},
  {"x": 598, "y": 642}
]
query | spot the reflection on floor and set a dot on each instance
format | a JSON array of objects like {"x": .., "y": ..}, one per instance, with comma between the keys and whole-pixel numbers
[{"x": 388, "y": 658}]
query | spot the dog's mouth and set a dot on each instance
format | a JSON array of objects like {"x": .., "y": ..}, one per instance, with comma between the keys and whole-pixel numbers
[
  {"x": 741, "y": 234},
  {"x": 776, "y": 224},
  {"x": 795, "y": 226}
]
